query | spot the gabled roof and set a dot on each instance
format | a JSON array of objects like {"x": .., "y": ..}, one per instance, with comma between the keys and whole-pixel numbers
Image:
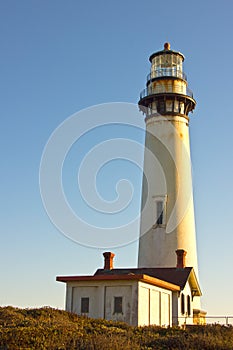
[
  {"x": 172, "y": 275},
  {"x": 167, "y": 277}
]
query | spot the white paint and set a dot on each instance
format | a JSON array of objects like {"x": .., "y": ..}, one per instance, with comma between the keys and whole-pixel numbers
[
  {"x": 143, "y": 303},
  {"x": 154, "y": 305},
  {"x": 124, "y": 291},
  {"x": 157, "y": 247},
  {"x": 101, "y": 299},
  {"x": 155, "y": 310},
  {"x": 180, "y": 318},
  {"x": 85, "y": 292},
  {"x": 170, "y": 176}
]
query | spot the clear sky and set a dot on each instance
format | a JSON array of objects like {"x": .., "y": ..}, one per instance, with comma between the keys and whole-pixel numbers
[{"x": 59, "y": 57}]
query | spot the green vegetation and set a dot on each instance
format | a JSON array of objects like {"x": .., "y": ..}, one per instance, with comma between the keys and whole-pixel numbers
[{"x": 47, "y": 328}]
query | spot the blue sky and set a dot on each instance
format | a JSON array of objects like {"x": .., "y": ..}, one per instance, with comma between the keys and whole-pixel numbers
[{"x": 59, "y": 57}]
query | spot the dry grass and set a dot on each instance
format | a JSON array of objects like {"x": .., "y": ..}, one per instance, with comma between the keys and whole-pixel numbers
[{"x": 47, "y": 328}]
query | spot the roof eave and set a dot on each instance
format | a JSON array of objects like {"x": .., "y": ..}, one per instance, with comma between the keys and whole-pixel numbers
[
  {"x": 194, "y": 283},
  {"x": 138, "y": 277}
]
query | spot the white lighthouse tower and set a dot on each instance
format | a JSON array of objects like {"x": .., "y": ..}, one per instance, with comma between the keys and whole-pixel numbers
[
  {"x": 164, "y": 289},
  {"x": 167, "y": 216}
]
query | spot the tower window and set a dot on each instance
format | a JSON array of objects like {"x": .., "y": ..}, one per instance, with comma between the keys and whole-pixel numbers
[
  {"x": 169, "y": 106},
  {"x": 182, "y": 107},
  {"x": 118, "y": 305},
  {"x": 161, "y": 107},
  {"x": 176, "y": 106},
  {"x": 159, "y": 210},
  {"x": 159, "y": 213},
  {"x": 84, "y": 305}
]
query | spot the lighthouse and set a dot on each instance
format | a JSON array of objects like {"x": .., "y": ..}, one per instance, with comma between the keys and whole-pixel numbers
[
  {"x": 164, "y": 289},
  {"x": 167, "y": 227}
]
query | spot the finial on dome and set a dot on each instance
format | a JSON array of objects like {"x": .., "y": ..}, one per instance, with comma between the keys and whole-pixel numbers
[{"x": 167, "y": 46}]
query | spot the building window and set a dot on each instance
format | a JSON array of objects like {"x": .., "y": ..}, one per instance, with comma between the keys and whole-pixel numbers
[
  {"x": 84, "y": 305},
  {"x": 188, "y": 305},
  {"x": 118, "y": 309},
  {"x": 182, "y": 304}
]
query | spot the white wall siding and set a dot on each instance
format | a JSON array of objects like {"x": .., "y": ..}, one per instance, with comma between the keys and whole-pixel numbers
[
  {"x": 155, "y": 312},
  {"x": 118, "y": 291},
  {"x": 68, "y": 297},
  {"x": 154, "y": 305},
  {"x": 144, "y": 305},
  {"x": 101, "y": 299},
  {"x": 86, "y": 292},
  {"x": 175, "y": 308},
  {"x": 165, "y": 308},
  {"x": 185, "y": 318}
]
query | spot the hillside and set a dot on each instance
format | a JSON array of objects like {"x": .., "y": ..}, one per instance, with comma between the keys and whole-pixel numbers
[{"x": 47, "y": 328}]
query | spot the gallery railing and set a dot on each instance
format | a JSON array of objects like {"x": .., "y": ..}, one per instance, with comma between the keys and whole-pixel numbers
[{"x": 169, "y": 89}]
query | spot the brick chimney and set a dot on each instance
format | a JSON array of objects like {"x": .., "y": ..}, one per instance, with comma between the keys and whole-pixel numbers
[
  {"x": 108, "y": 260},
  {"x": 181, "y": 254}
]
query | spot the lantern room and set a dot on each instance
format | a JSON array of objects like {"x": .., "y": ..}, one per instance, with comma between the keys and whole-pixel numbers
[{"x": 166, "y": 91}]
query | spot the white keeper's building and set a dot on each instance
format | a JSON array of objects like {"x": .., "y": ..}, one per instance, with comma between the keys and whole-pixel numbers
[{"x": 138, "y": 296}]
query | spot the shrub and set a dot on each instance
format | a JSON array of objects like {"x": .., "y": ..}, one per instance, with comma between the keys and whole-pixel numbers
[{"x": 47, "y": 328}]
